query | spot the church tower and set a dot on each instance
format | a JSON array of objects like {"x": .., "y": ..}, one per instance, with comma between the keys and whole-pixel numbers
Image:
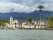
[{"x": 11, "y": 20}]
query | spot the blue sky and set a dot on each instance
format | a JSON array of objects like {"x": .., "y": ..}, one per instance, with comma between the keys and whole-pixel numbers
[{"x": 24, "y": 5}]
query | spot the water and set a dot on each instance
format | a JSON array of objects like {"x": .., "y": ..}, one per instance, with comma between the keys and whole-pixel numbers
[{"x": 26, "y": 34}]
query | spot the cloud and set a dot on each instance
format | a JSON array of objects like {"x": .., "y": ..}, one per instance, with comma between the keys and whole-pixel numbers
[
  {"x": 24, "y": 5},
  {"x": 14, "y": 7},
  {"x": 48, "y": 6}
]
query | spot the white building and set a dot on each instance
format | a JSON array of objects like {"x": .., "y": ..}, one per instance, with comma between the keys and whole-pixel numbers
[
  {"x": 25, "y": 25},
  {"x": 37, "y": 24},
  {"x": 13, "y": 23}
]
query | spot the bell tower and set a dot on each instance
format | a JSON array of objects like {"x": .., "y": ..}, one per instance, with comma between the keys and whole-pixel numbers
[{"x": 11, "y": 20}]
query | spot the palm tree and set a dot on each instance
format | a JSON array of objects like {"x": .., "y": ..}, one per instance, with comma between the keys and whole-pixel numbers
[
  {"x": 29, "y": 21},
  {"x": 40, "y": 7}
]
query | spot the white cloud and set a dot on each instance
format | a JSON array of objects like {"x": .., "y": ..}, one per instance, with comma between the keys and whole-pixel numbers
[
  {"x": 24, "y": 5},
  {"x": 48, "y": 7},
  {"x": 47, "y": 1},
  {"x": 7, "y": 7}
]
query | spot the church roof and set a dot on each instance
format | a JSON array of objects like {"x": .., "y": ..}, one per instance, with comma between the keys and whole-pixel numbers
[{"x": 15, "y": 21}]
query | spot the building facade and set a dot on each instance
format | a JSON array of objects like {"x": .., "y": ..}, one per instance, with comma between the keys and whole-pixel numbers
[
  {"x": 34, "y": 24},
  {"x": 12, "y": 24}
]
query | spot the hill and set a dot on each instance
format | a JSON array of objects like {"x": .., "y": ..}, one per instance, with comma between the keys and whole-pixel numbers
[{"x": 23, "y": 16}]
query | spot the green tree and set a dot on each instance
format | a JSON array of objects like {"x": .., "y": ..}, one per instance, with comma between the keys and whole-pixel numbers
[
  {"x": 40, "y": 7},
  {"x": 29, "y": 21},
  {"x": 3, "y": 21},
  {"x": 50, "y": 20}
]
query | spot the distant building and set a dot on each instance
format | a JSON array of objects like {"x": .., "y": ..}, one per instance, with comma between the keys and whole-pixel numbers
[
  {"x": 37, "y": 24},
  {"x": 34, "y": 24},
  {"x": 15, "y": 24},
  {"x": 27, "y": 25},
  {"x": 12, "y": 24}
]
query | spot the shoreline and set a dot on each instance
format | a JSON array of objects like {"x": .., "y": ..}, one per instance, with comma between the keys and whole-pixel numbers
[
  {"x": 27, "y": 29},
  {"x": 38, "y": 29},
  {"x": 3, "y": 28}
]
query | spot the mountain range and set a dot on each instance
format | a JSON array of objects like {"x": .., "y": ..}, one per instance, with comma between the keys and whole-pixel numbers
[{"x": 23, "y": 16}]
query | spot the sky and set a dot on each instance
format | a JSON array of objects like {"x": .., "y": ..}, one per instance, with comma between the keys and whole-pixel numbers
[{"x": 27, "y": 6}]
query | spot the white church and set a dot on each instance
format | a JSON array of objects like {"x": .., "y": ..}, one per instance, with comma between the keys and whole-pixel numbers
[{"x": 13, "y": 23}]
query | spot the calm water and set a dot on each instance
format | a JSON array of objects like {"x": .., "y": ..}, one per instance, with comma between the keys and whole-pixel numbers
[{"x": 26, "y": 34}]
